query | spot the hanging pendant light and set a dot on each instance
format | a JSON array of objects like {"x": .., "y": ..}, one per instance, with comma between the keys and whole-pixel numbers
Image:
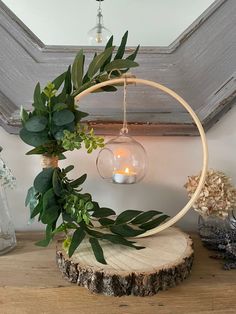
[
  {"x": 123, "y": 160},
  {"x": 99, "y": 34}
]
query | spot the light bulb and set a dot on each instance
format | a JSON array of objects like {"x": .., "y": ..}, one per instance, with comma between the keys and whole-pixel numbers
[{"x": 99, "y": 34}]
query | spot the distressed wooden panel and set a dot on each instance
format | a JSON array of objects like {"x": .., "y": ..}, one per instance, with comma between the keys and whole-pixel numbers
[{"x": 199, "y": 65}]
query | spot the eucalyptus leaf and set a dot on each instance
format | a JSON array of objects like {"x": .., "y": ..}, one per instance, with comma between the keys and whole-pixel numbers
[
  {"x": 97, "y": 250},
  {"x": 49, "y": 229},
  {"x": 61, "y": 98},
  {"x": 38, "y": 209},
  {"x": 67, "y": 217},
  {"x": 43, "y": 181},
  {"x": 59, "y": 80},
  {"x": 78, "y": 69},
  {"x": 50, "y": 208},
  {"x": 68, "y": 86},
  {"x": 133, "y": 55},
  {"x": 77, "y": 238},
  {"x": 98, "y": 61},
  {"x": 89, "y": 206},
  {"x": 68, "y": 168},
  {"x": 154, "y": 223},
  {"x": 108, "y": 45},
  {"x": 49, "y": 199},
  {"x": 61, "y": 157},
  {"x": 34, "y": 138},
  {"x": 40, "y": 150},
  {"x": 109, "y": 42},
  {"x": 144, "y": 217},
  {"x": 126, "y": 216},
  {"x": 70, "y": 102},
  {"x": 59, "y": 106},
  {"x": 103, "y": 212},
  {"x": 30, "y": 195},
  {"x": 125, "y": 231},
  {"x": 94, "y": 233},
  {"x": 64, "y": 227},
  {"x": 58, "y": 131},
  {"x": 117, "y": 239},
  {"x": 83, "y": 87},
  {"x": 56, "y": 183},
  {"x": 80, "y": 115},
  {"x": 38, "y": 100},
  {"x": 23, "y": 114},
  {"x": 36, "y": 123},
  {"x": 76, "y": 183},
  {"x": 121, "y": 49},
  {"x": 63, "y": 117},
  {"x": 32, "y": 202},
  {"x": 106, "y": 221},
  {"x": 108, "y": 89},
  {"x": 120, "y": 64},
  {"x": 48, "y": 237},
  {"x": 50, "y": 214}
]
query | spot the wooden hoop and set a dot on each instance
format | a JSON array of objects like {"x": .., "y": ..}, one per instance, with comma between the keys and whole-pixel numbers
[{"x": 170, "y": 92}]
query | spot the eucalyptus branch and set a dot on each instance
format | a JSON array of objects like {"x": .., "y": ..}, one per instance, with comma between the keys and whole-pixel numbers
[{"x": 53, "y": 127}]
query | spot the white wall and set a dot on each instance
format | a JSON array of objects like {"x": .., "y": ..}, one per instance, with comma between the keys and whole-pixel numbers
[
  {"x": 150, "y": 23},
  {"x": 171, "y": 159}
]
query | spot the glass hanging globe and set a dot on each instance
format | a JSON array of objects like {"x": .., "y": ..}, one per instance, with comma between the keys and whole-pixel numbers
[
  {"x": 123, "y": 160},
  {"x": 99, "y": 34}
]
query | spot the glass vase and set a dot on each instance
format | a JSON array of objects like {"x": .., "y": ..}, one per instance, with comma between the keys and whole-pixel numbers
[
  {"x": 216, "y": 233},
  {"x": 7, "y": 231}
]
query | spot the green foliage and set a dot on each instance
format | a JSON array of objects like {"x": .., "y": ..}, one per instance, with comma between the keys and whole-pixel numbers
[
  {"x": 39, "y": 104},
  {"x": 36, "y": 124},
  {"x": 103, "y": 212},
  {"x": 24, "y": 115},
  {"x": 97, "y": 250},
  {"x": 99, "y": 61},
  {"x": 120, "y": 64},
  {"x": 74, "y": 140},
  {"x": 53, "y": 127},
  {"x": 43, "y": 180},
  {"x": 34, "y": 138},
  {"x": 78, "y": 69},
  {"x": 127, "y": 216},
  {"x": 77, "y": 238},
  {"x": 121, "y": 49}
]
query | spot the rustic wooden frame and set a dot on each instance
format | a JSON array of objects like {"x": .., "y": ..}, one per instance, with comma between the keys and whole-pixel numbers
[{"x": 199, "y": 65}]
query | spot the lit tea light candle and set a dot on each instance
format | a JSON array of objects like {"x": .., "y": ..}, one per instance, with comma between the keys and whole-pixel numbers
[{"x": 124, "y": 176}]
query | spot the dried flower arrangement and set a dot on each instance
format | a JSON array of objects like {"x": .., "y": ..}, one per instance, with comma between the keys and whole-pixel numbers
[
  {"x": 218, "y": 197},
  {"x": 216, "y": 205}
]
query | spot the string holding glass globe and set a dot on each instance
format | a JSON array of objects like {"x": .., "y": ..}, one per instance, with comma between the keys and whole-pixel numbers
[{"x": 123, "y": 160}]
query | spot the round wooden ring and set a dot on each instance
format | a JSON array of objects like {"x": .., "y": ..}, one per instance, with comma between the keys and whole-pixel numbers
[{"x": 170, "y": 92}]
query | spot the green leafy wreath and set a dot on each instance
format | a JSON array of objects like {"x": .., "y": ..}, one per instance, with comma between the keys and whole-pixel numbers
[{"x": 53, "y": 127}]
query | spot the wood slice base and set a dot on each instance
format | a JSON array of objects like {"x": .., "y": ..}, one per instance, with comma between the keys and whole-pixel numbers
[{"x": 166, "y": 261}]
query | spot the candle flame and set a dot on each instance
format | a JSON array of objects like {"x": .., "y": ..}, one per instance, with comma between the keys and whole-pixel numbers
[
  {"x": 126, "y": 170},
  {"x": 121, "y": 153}
]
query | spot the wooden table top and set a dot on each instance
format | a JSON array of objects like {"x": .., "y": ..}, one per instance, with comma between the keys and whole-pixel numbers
[{"x": 31, "y": 283}]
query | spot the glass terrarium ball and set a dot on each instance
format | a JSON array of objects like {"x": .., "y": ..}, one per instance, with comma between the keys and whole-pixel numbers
[{"x": 123, "y": 160}]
